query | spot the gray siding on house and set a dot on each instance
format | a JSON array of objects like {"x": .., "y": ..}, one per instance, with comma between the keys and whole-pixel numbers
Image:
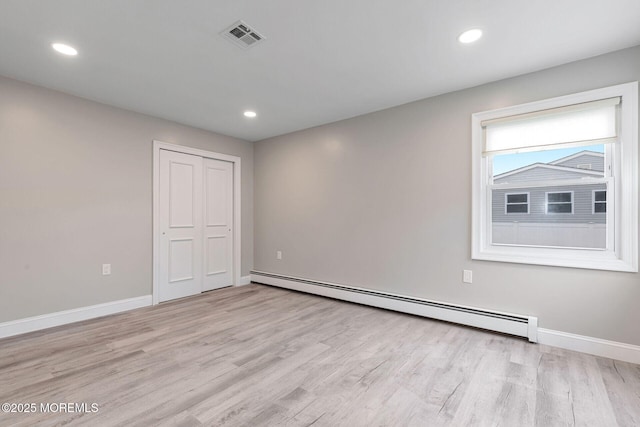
[
  {"x": 596, "y": 161},
  {"x": 582, "y": 205},
  {"x": 542, "y": 173},
  {"x": 561, "y": 169}
]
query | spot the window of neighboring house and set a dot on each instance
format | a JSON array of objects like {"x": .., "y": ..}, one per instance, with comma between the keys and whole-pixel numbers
[
  {"x": 560, "y": 202},
  {"x": 516, "y": 203},
  {"x": 599, "y": 201},
  {"x": 533, "y": 159}
]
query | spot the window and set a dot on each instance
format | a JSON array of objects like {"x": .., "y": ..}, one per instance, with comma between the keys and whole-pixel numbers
[
  {"x": 560, "y": 202},
  {"x": 599, "y": 201},
  {"x": 516, "y": 203},
  {"x": 555, "y": 182}
]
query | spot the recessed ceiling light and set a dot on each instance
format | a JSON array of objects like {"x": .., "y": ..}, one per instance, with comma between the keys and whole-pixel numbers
[
  {"x": 64, "y": 49},
  {"x": 250, "y": 114},
  {"x": 470, "y": 36}
]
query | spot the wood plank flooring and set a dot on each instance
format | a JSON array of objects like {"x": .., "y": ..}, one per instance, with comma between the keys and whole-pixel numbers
[{"x": 263, "y": 356}]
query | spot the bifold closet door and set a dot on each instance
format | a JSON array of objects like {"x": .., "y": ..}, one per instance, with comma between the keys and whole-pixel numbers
[
  {"x": 218, "y": 224},
  {"x": 181, "y": 225}
]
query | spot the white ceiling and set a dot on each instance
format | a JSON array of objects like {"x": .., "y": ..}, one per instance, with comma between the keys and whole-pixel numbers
[{"x": 323, "y": 60}]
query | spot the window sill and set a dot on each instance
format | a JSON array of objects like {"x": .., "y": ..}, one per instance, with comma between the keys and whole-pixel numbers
[{"x": 561, "y": 257}]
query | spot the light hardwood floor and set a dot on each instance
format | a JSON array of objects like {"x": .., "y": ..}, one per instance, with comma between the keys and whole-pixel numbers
[{"x": 258, "y": 355}]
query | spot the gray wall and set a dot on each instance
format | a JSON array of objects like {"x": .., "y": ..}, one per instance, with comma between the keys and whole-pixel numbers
[
  {"x": 76, "y": 192},
  {"x": 383, "y": 201}
]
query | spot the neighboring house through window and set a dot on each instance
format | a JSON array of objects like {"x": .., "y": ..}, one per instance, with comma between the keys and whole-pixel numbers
[
  {"x": 551, "y": 185},
  {"x": 561, "y": 202},
  {"x": 516, "y": 203},
  {"x": 599, "y": 201}
]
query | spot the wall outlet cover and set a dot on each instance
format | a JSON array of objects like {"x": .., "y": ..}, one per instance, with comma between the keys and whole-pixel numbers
[{"x": 467, "y": 276}]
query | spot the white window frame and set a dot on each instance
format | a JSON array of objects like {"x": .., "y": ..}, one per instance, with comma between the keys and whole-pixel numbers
[
  {"x": 547, "y": 203},
  {"x": 593, "y": 202},
  {"x": 622, "y": 197},
  {"x": 506, "y": 203}
]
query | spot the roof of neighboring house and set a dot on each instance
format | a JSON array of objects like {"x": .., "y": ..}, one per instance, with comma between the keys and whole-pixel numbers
[{"x": 557, "y": 167}]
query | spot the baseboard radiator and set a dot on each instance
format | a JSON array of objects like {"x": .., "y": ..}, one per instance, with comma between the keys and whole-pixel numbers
[{"x": 508, "y": 323}]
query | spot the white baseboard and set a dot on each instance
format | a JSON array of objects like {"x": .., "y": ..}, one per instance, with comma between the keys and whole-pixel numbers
[
  {"x": 514, "y": 324},
  {"x": 36, "y": 323},
  {"x": 244, "y": 280},
  {"x": 596, "y": 346}
]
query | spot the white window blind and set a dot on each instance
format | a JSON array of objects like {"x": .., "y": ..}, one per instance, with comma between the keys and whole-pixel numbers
[{"x": 587, "y": 123}]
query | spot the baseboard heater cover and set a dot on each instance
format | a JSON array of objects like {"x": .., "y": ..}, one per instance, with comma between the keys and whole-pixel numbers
[{"x": 508, "y": 323}]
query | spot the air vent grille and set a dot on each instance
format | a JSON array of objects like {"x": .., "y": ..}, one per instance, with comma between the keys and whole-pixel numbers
[{"x": 242, "y": 34}]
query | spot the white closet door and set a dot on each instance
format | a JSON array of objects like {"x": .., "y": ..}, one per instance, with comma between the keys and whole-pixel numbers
[
  {"x": 218, "y": 224},
  {"x": 181, "y": 230}
]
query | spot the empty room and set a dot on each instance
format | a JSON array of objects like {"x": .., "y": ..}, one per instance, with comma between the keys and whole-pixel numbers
[{"x": 330, "y": 213}]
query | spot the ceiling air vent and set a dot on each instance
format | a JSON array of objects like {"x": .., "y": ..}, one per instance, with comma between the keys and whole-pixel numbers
[{"x": 242, "y": 35}]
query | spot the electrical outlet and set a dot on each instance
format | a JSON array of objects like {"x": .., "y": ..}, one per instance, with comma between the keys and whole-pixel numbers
[
  {"x": 106, "y": 269},
  {"x": 278, "y": 254},
  {"x": 467, "y": 276}
]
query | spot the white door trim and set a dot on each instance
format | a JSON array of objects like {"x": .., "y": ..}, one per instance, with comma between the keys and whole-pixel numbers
[{"x": 237, "y": 226}]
